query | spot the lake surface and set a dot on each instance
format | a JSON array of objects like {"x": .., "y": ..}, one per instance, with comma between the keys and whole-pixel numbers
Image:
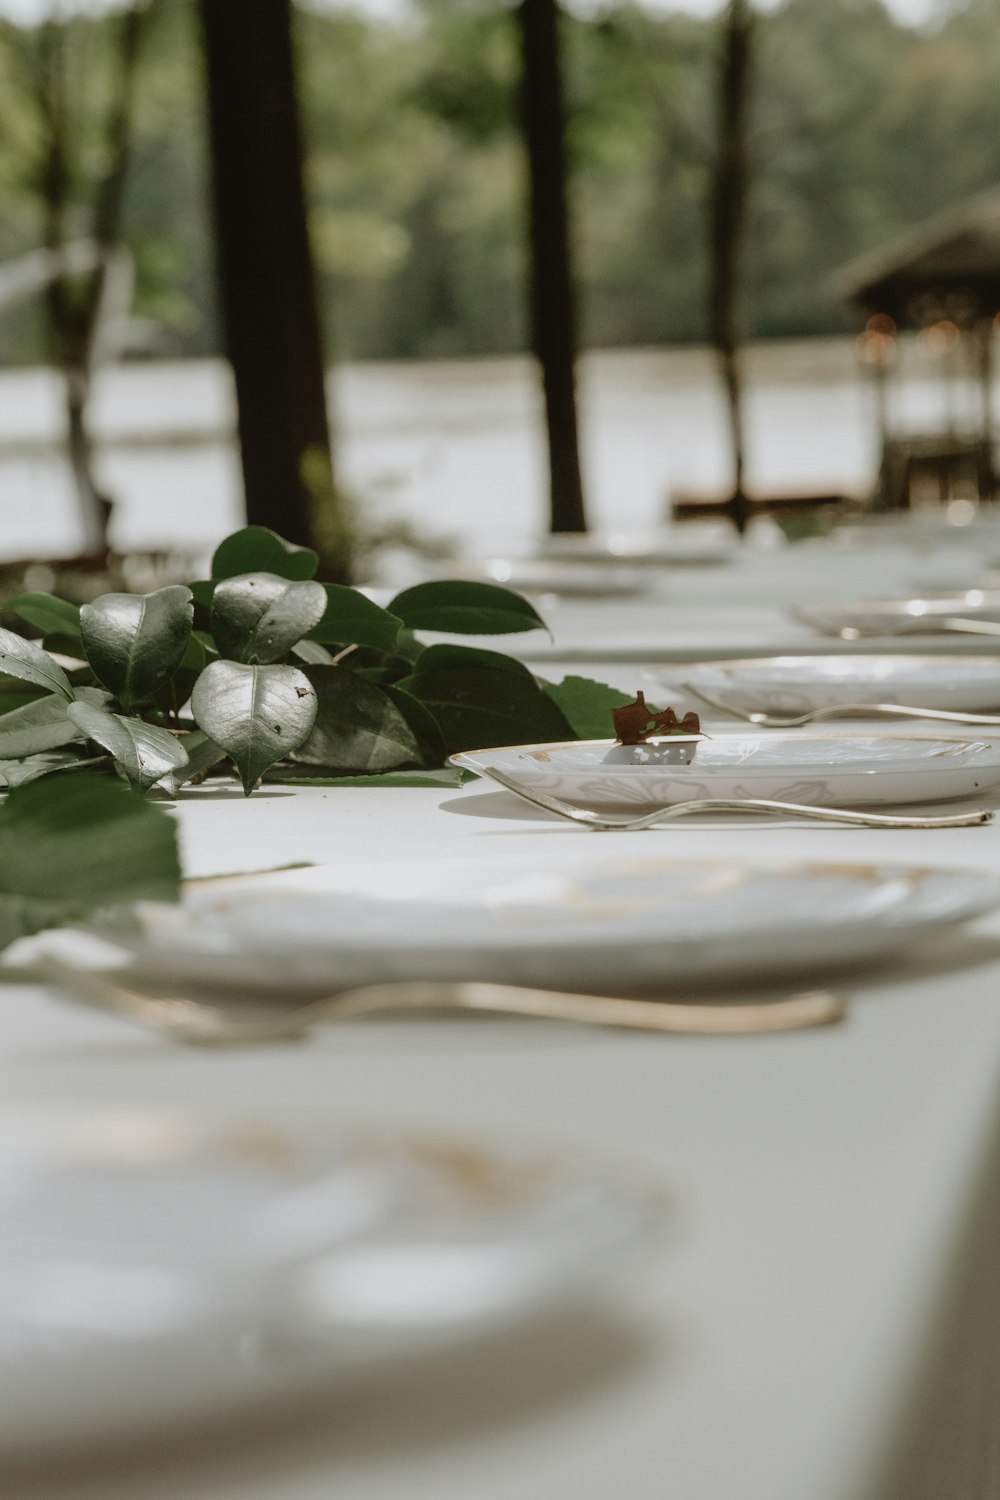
[{"x": 454, "y": 447}]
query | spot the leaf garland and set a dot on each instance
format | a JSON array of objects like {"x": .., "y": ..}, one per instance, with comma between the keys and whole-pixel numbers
[{"x": 264, "y": 668}]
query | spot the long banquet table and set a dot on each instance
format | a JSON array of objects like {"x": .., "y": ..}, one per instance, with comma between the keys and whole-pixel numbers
[{"x": 820, "y": 1319}]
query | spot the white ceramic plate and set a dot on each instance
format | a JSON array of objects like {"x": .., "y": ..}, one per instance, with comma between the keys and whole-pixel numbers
[
  {"x": 871, "y": 615},
  {"x": 828, "y": 769},
  {"x": 156, "y": 1268},
  {"x": 556, "y": 575},
  {"x": 795, "y": 684},
  {"x": 705, "y": 547},
  {"x": 598, "y": 924}
]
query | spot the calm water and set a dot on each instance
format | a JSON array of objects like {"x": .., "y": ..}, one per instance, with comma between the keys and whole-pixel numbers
[{"x": 454, "y": 447}]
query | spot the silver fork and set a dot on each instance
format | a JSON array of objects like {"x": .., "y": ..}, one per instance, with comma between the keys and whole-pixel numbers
[
  {"x": 919, "y": 625},
  {"x": 600, "y": 822},
  {"x": 202, "y": 1023},
  {"x": 841, "y": 711}
]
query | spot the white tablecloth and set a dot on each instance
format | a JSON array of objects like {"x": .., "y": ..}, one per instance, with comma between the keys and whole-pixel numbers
[{"x": 820, "y": 1321}]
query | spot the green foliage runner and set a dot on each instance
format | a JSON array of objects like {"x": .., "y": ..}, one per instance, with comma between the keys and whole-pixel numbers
[{"x": 279, "y": 675}]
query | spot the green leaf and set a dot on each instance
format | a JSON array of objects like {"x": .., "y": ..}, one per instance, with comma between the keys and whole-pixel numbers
[
  {"x": 461, "y": 608},
  {"x": 142, "y": 752},
  {"x": 33, "y": 767},
  {"x": 446, "y": 777},
  {"x": 256, "y": 549},
  {"x": 478, "y": 708},
  {"x": 135, "y": 642},
  {"x": 445, "y": 656},
  {"x": 257, "y": 617},
  {"x": 173, "y": 694},
  {"x": 68, "y": 646},
  {"x": 202, "y": 754},
  {"x": 421, "y": 721},
  {"x": 257, "y": 714},
  {"x": 352, "y": 619},
  {"x": 587, "y": 705},
  {"x": 359, "y": 727},
  {"x": 14, "y": 694},
  {"x": 77, "y": 843},
  {"x": 49, "y": 615},
  {"x": 43, "y": 725},
  {"x": 23, "y": 659},
  {"x": 202, "y": 590}
]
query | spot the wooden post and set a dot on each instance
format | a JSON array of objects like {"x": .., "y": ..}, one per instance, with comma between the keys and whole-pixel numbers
[
  {"x": 728, "y": 209},
  {"x": 552, "y": 301},
  {"x": 987, "y": 468},
  {"x": 267, "y": 278}
]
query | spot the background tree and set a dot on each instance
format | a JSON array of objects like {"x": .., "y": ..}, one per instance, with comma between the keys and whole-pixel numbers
[
  {"x": 415, "y": 166},
  {"x": 727, "y": 214},
  {"x": 553, "y": 313},
  {"x": 78, "y": 167},
  {"x": 267, "y": 279}
]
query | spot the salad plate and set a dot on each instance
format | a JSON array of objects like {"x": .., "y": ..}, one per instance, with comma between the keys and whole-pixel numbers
[
  {"x": 823, "y": 768},
  {"x": 157, "y": 1268},
  {"x": 799, "y": 684},
  {"x": 615, "y": 925}
]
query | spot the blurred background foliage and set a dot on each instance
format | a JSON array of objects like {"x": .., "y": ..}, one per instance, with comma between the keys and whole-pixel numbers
[{"x": 861, "y": 128}]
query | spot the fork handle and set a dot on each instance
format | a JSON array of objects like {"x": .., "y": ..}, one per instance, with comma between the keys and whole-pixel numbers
[
  {"x": 809, "y": 1008},
  {"x": 919, "y": 625},
  {"x": 851, "y": 816},
  {"x": 896, "y": 711}
]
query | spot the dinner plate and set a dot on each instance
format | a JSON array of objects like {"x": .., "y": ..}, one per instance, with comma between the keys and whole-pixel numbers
[
  {"x": 606, "y": 924},
  {"x": 705, "y": 547},
  {"x": 559, "y": 575},
  {"x": 872, "y": 615},
  {"x": 158, "y": 1267},
  {"x": 828, "y": 769},
  {"x": 796, "y": 684}
]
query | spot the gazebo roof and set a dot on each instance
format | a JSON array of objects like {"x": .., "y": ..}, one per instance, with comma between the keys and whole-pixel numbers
[{"x": 956, "y": 255}]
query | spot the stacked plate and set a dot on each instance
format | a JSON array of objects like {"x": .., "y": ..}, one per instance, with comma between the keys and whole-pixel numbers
[
  {"x": 632, "y": 923},
  {"x": 797, "y": 684},
  {"x": 873, "y": 617},
  {"x": 159, "y": 1268}
]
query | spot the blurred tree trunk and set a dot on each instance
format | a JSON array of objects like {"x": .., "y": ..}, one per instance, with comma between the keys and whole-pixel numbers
[
  {"x": 268, "y": 287},
  {"x": 726, "y": 235},
  {"x": 552, "y": 301},
  {"x": 77, "y": 301}
]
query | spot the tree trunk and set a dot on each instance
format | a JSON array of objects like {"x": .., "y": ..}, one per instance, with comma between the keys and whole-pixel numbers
[
  {"x": 552, "y": 303},
  {"x": 268, "y": 291},
  {"x": 75, "y": 303},
  {"x": 728, "y": 211}
]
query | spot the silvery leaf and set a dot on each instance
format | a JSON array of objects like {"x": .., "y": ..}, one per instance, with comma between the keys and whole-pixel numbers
[
  {"x": 43, "y": 725},
  {"x": 256, "y": 713},
  {"x": 257, "y": 617},
  {"x": 359, "y": 726},
  {"x": 34, "y": 767},
  {"x": 23, "y": 659},
  {"x": 135, "y": 642},
  {"x": 142, "y": 752},
  {"x": 202, "y": 754}
]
